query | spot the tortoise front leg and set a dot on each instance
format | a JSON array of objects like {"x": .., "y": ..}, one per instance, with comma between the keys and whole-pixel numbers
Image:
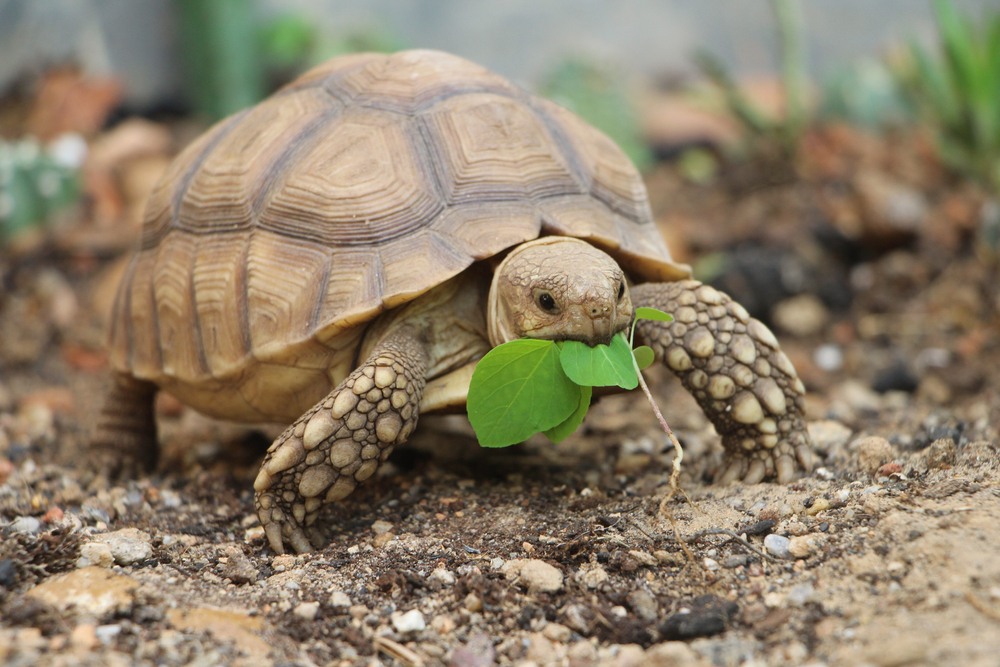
[
  {"x": 733, "y": 366},
  {"x": 341, "y": 441},
  {"x": 124, "y": 442}
]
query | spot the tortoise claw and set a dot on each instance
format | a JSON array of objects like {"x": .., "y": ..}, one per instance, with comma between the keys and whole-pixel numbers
[
  {"x": 730, "y": 474},
  {"x": 273, "y": 533},
  {"x": 297, "y": 538},
  {"x": 756, "y": 472},
  {"x": 805, "y": 457},
  {"x": 786, "y": 469}
]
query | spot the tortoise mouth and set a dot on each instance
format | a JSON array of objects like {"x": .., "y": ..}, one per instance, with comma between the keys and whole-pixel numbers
[{"x": 590, "y": 341}]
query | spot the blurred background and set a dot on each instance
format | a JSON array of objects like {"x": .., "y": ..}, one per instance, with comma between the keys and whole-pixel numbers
[{"x": 833, "y": 164}]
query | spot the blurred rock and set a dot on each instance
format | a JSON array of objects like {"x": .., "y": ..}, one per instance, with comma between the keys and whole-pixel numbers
[
  {"x": 872, "y": 452},
  {"x": 238, "y": 567},
  {"x": 827, "y": 435},
  {"x": 802, "y": 315},
  {"x": 940, "y": 454},
  {"x": 537, "y": 575},
  {"x": 829, "y": 357},
  {"x": 68, "y": 101},
  {"x": 852, "y": 398},
  {"x": 128, "y": 545},
  {"x": 95, "y": 553},
  {"x": 671, "y": 122},
  {"x": 89, "y": 591},
  {"x": 896, "y": 377},
  {"x": 705, "y": 616},
  {"x": 478, "y": 651},
  {"x": 893, "y": 211}
]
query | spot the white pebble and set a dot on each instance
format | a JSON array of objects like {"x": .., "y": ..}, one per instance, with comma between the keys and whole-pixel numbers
[
  {"x": 777, "y": 546},
  {"x": 95, "y": 553},
  {"x": 411, "y": 621},
  {"x": 26, "y": 524},
  {"x": 801, "y": 594},
  {"x": 829, "y": 357},
  {"x": 340, "y": 599},
  {"x": 445, "y": 577},
  {"x": 711, "y": 564},
  {"x": 380, "y": 527},
  {"x": 107, "y": 633},
  {"x": 307, "y": 611}
]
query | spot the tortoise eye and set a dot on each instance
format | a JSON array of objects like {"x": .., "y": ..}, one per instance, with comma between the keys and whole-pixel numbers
[
  {"x": 546, "y": 301},
  {"x": 621, "y": 290}
]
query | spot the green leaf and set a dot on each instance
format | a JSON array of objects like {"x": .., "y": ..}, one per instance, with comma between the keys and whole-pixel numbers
[
  {"x": 518, "y": 389},
  {"x": 560, "y": 432},
  {"x": 601, "y": 365},
  {"x": 652, "y": 314},
  {"x": 643, "y": 356}
]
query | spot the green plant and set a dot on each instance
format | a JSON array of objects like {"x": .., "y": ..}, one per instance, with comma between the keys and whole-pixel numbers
[
  {"x": 958, "y": 91},
  {"x": 787, "y": 129},
  {"x": 864, "y": 93},
  {"x": 35, "y": 183},
  {"x": 528, "y": 386},
  {"x": 218, "y": 39}
]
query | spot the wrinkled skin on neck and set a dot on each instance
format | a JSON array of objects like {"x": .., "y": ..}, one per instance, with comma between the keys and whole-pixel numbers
[{"x": 558, "y": 288}]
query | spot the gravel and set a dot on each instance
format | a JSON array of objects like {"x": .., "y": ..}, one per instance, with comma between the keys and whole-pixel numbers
[{"x": 777, "y": 546}]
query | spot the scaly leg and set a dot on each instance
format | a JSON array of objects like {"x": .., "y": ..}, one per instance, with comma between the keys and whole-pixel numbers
[
  {"x": 732, "y": 365},
  {"x": 341, "y": 441},
  {"x": 124, "y": 442}
]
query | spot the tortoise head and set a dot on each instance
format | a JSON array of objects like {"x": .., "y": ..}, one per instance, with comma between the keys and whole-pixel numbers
[{"x": 558, "y": 288}]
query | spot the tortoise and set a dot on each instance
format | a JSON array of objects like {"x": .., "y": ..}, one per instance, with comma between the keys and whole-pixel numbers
[{"x": 339, "y": 256}]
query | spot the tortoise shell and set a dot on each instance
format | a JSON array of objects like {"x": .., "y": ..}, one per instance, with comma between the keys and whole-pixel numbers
[{"x": 272, "y": 239}]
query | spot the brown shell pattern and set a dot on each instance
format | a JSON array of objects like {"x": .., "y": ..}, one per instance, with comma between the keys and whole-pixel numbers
[{"x": 361, "y": 185}]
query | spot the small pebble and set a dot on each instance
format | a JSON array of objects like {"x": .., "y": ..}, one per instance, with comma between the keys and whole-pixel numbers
[
  {"x": 238, "y": 567},
  {"x": 735, "y": 561},
  {"x": 557, "y": 632},
  {"x": 711, "y": 564},
  {"x": 380, "y": 527},
  {"x": 940, "y": 454},
  {"x": 828, "y": 434},
  {"x": 890, "y": 468},
  {"x": 26, "y": 524},
  {"x": 340, "y": 599},
  {"x": 819, "y": 504},
  {"x": 473, "y": 603},
  {"x": 307, "y": 611},
  {"x": 442, "y": 576},
  {"x": 107, "y": 634},
  {"x": 777, "y": 546},
  {"x": 411, "y": 621},
  {"x": 829, "y": 357},
  {"x": 803, "y": 546},
  {"x": 593, "y": 577},
  {"x": 95, "y": 553},
  {"x": 477, "y": 652},
  {"x": 538, "y": 575},
  {"x": 84, "y": 637},
  {"x": 443, "y": 624},
  {"x": 643, "y": 604},
  {"x": 873, "y": 452}
]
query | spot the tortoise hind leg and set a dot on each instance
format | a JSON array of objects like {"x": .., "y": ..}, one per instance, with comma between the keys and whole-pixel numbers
[
  {"x": 341, "y": 441},
  {"x": 124, "y": 442},
  {"x": 733, "y": 366}
]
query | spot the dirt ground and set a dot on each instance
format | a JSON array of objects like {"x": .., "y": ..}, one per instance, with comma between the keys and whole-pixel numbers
[{"x": 544, "y": 555}]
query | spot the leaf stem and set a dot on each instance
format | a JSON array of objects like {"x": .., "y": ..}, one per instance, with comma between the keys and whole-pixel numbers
[{"x": 675, "y": 475}]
